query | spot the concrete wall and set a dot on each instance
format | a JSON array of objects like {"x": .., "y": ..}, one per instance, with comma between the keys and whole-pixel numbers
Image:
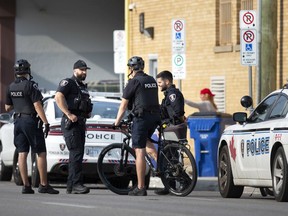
[{"x": 53, "y": 34}]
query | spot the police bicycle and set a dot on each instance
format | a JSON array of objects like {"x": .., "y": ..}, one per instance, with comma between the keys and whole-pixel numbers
[{"x": 175, "y": 166}]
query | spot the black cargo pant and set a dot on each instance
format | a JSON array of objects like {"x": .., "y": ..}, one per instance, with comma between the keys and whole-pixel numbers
[{"x": 75, "y": 141}]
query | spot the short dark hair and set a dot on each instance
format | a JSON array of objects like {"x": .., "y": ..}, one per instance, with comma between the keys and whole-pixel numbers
[{"x": 165, "y": 75}]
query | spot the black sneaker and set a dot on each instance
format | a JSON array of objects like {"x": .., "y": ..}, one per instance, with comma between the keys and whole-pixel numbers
[
  {"x": 80, "y": 189},
  {"x": 138, "y": 192},
  {"x": 68, "y": 190},
  {"x": 47, "y": 189},
  {"x": 27, "y": 190},
  {"x": 163, "y": 191}
]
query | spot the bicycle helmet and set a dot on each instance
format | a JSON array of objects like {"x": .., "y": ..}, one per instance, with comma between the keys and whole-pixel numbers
[
  {"x": 22, "y": 66},
  {"x": 136, "y": 63}
]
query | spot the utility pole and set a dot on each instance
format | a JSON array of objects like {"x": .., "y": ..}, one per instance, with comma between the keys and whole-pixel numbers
[{"x": 268, "y": 47}]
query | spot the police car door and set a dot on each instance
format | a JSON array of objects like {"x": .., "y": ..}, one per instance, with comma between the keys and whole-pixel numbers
[
  {"x": 254, "y": 140},
  {"x": 277, "y": 123}
]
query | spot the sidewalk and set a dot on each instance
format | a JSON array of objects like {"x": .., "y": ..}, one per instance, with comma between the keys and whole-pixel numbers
[{"x": 203, "y": 183}]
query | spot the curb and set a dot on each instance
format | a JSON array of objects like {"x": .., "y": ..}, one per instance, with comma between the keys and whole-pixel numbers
[{"x": 203, "y": 183}]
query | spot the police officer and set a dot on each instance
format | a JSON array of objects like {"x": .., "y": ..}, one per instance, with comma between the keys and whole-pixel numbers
[
  {"x": 140, "y": 96},
  {"x": 172, "y": 109},
  {"x": 25, "y": 98},
  {"x": 73, "y": 98}
]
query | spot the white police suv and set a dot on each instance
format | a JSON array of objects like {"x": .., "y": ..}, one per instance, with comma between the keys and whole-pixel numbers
[
  {"x": 99, "y": 134},
  {"x": 254, "y": 151}
]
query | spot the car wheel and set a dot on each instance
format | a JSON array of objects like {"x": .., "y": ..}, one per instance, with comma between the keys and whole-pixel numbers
[
  {"x": 279, "y": 176},
  {"x": 5, "y": 172},
  {"x": 225, "y": 177},
  {"x": 16, "y": 171},
  {"x": 35, "y": 177}
]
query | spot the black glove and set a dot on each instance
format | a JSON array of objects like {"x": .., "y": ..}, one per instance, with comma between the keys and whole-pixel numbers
[
  {"x": 113, "y": 126},
  {"x": 46, "y": 130}
]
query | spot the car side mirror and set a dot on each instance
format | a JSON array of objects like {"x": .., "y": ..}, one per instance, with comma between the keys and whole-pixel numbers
[
  {"x": 240, "y": 117},
  {"x": 5, "y": 118},
  {"x": 246, "y": 101}
]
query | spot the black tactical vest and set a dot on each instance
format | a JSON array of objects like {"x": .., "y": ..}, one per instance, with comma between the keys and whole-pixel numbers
[
  {"x": 81, "y": 104},
  {"x": 21, "y": 101},
  {"x": 146, "y": 96}
]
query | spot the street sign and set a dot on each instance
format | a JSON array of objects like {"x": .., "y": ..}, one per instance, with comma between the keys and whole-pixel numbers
[
  {"x": 178, "y": 49},
  {"x": 248, "y": 47},
  {"x": 119, "y": 48},
  {"x": 120, "y": 62},
  {"x": 178, "y": 36},
  {"x": 179, "y": 66},
  {"x": 247, "y": 19},
  {"x": 119, "y": 40}
]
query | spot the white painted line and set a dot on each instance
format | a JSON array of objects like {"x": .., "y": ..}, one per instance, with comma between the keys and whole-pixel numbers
[{"x": 69, "y": 205}]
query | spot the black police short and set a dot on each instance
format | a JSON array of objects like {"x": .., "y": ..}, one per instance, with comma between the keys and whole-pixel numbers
[
  {"x": 143, "y": 128},
  {"x": 26, "y": 135}
]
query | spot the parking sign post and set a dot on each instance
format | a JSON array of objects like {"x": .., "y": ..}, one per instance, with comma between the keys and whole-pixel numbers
[{"x": 248, "y": 40}]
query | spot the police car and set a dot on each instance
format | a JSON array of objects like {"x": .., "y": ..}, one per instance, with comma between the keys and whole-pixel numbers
[
  {"x": 99, "y": 134},
  {"x": 254, "y": 152}
]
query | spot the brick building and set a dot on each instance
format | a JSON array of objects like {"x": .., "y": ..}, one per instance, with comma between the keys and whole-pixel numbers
[{"x": 212, "y": 45}]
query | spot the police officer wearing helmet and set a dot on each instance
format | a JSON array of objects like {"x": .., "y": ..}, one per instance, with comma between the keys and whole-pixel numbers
[
  {"x": 140, "y": 96},
  {"x": 73, "y": 98},
  {"x": 25, "y": 98},
  {"x": 172, "y": 110}
]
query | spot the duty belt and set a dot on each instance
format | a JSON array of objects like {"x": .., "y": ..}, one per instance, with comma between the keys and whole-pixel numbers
[{"x": 18, "y": 115}]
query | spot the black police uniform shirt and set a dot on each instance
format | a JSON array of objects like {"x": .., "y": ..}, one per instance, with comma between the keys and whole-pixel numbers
[
  {"x": 131, "y": 88},
  {"x": 174, "y": 102},
  {"x": 21, "y": 94},
  {"x": 70, "y": 89}
]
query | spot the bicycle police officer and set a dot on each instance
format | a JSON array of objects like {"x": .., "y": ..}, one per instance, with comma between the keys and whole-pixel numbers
[
  {"x": 172, "y": 109},
  {"x": 73, "y": 98},
  {"x": 25, "y": 98},
  {"x": 140, "y": 96}
]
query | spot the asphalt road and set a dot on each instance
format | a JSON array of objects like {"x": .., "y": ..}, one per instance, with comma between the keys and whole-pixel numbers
[{"x": 101, "y": 201}]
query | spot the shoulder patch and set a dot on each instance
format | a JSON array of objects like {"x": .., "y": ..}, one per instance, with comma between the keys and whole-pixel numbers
[
  {"x": 35, "y": 85},
  {"x": 172, "y": 97},
  {"x": 63, "y": 82}
]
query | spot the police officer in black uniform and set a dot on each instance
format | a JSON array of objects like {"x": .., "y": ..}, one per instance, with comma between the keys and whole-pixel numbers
[
  {"x": 140, "y": 96},
  {"x": 172, "y": 110},
  {"x": 73, "y": 98},
  {"x": 25, "y": 98}
]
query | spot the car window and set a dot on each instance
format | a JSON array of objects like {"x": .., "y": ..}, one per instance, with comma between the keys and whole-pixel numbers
[
  {"x": 58, "y": 112},
  {"x": 105, "y": 109},
  {"x": 262, "y": 110},
  {"x": 280, "y": 109}
]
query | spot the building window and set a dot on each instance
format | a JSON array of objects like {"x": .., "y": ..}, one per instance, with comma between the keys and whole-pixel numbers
[
  {"x": 153, "y": 65},
  {"x": 246, "y": 4},
  {"x": 225, "y": 23}
]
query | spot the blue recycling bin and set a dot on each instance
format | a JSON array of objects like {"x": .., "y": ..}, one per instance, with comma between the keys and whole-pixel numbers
[{"x": 206, "y": 129}]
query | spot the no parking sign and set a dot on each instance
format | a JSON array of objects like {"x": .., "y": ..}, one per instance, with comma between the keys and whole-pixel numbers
[
  {"x": 178, "y": 49},
  {"x": 248, "y": 37}
]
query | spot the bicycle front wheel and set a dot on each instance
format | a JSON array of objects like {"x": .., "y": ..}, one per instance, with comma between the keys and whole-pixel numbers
[
  {"x": 178, "y": 169},
  {"x": 117, "y": 169}
]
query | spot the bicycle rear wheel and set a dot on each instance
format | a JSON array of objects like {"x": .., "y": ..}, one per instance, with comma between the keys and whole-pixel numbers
[{"x": 178, "y": 169}]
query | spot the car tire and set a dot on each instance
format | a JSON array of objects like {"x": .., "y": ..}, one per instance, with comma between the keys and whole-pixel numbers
[
  {"x": 35, "y": 177},
  {"x": 5, "y": 172},
  {"x": 225, "y": 176},
  {"x": 16, "y": 172},
  {"x": 279, "y": 176}
]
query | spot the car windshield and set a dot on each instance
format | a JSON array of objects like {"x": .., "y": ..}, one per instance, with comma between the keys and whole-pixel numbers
[{"x": 103, "y": 109}]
